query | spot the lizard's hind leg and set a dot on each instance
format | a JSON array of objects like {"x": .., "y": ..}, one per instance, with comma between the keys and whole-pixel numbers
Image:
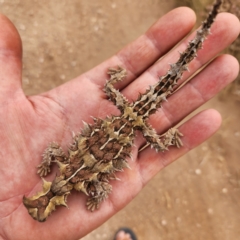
[
  {"x": 98, "y": 192},
  {"x": 116, "y": 75},
  {"x": 51, "y": 154}
]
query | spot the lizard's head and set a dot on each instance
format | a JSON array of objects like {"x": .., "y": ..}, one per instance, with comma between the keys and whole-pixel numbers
[{"x": 43, "y": 203}]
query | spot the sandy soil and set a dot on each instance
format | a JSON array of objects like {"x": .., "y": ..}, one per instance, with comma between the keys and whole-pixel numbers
[{"x": 195, "y": 198}]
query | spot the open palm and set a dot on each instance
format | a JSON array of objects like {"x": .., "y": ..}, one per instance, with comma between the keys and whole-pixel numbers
[{"x": 29, "y": 124}]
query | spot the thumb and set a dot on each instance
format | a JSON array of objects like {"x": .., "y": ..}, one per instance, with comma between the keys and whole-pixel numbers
[{"x": 10, "y": 59}]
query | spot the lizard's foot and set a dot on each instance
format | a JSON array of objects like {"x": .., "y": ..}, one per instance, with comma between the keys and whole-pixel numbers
[
  {"x": 117, "y": 74},
  {"x": 92, "y": 204},
  {"x": 172, "y": 138},
  {"x": 98, "y": 191},
  {"x": 52, "y": 153},
  {"x": 43, "y": 169}
]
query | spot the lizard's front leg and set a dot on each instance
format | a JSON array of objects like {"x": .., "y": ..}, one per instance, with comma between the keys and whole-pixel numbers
[
  {"x": 161, "y": 142},
  {"x": 116, "y": 75},
  {"x": 51, "y": 154}
]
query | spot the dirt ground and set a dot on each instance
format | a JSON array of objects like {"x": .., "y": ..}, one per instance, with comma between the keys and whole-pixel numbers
[{"x": 196, "y": 197}]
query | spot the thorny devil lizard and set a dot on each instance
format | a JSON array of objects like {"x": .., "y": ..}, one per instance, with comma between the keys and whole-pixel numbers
[{"x": 103, "y": 147}]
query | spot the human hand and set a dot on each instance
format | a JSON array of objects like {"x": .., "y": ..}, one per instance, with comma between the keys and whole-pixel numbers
[{"x": 28, "y": 124}]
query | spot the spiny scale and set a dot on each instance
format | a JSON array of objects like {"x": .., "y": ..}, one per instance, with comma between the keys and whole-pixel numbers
[{"x": 102, "y": 149}]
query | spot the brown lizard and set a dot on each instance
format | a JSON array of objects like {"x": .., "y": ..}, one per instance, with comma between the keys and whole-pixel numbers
[{"x": 102, "y": 149}]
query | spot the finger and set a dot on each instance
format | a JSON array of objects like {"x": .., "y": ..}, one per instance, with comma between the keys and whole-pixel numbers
[
  {"x": 196, "y": 130},
  {"x": 224, "y": 31},
  {"x": 135, "y": 57},
  {"x": 196, "y": 92},
  {"x": 10, "y": 58}
]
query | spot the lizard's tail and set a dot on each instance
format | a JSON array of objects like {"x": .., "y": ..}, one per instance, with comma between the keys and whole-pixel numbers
[
  {"x": 152, "y": 99},
  {"x": 43, "y": 203}
]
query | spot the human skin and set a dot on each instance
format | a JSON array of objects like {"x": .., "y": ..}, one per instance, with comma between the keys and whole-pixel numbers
[{"x": 29, "y": 123}]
